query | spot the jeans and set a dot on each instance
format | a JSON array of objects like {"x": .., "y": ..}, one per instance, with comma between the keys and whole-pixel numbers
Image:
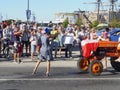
[
  {"x": 55, "y": 45},
  {"x": 68, "y": 48}
]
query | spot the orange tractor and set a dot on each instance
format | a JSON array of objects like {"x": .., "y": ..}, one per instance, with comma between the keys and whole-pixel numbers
[{"x": 92, "y": 54}]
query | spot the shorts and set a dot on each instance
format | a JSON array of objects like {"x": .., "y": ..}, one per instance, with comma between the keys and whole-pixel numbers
[
  {"x": 45, "y": 55},
  {"x": 38, "y": 47},
  {"x": 18, "y": 49},
  {"x": 33, "y": 48}
]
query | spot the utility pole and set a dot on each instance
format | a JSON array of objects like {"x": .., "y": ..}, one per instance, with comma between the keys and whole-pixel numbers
[
  {"x": 112, "y": 5},
  {"x": 98, "y": 2},
  {"x": 98, "y": 10}
]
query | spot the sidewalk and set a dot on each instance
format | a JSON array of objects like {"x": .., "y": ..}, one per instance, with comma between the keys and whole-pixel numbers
[{"x": 59, "y": 62}]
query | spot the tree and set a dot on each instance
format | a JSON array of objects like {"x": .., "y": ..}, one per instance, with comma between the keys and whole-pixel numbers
[
  {"x": 115, "y": 23},
  {"x": 19, "y": 21},
  {"x": 9, "y": 21},
  {"x": 79, "y": 22},
  {"x": 65, "y": 23},
  {"x": 95, "y": 23}
]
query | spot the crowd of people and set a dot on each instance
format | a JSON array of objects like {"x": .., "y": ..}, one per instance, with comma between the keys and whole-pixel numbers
[{"x": 33, "y": 39}]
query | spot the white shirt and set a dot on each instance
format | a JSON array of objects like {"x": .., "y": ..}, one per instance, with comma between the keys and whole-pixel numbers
[{"x": 69, "y": 38}]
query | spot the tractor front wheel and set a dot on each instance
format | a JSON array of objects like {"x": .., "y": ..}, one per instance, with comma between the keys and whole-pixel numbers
[
  {"x": 95, "y": 68},
  {"x": 83, "y": 64}
]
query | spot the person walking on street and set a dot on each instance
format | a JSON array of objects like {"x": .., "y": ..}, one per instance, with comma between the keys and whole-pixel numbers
[{"x": 44, "y": 53}]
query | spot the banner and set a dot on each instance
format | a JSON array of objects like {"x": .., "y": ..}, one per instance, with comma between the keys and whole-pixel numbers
[{"x": 28, "y": 14}]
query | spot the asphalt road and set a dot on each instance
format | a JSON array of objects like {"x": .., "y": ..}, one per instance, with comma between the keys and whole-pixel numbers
[{"x": 64, "y": 76}]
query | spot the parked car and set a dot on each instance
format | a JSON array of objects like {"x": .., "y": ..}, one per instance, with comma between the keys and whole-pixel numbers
[
  {"x": 99, "y": 33},
  {"x": 113, "y": 34}
]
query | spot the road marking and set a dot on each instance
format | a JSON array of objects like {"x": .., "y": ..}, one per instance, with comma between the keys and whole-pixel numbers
[{"x": 58, "y": 79}]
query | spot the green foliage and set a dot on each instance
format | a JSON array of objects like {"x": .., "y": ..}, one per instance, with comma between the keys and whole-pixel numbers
[
  {"x": 19, "y": 21},
  {"x": 65, "y": 23},
  {"x": 79, "y": 22},
  {"x": 9, "y": 21},
  {"x": 95, "y": 23},
  {"x": 115, "y": 23}
]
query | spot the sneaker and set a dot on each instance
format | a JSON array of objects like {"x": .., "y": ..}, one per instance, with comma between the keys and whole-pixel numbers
[
  {"x": 105, "y": 69},
  {"x": 55, "y": 59},
  {"x": 66, "y": 57},
  {"x": 117, "y": 60},
  {"x": 71, "y": 57},
  {"x": 19, "y": 61},
  {"x": 47, "y": 74},
  {"x": 15, "y": 62}
]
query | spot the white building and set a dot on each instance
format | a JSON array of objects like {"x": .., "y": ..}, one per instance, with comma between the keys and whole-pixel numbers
[
  {"x": 87, "y": 17},
  {"x": 72, "y": 17}
]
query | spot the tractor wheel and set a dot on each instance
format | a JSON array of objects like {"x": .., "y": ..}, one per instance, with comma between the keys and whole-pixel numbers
[
  {"x": 95, "y": 68},
  {"x": 115, "y": 65},
  {"x": 83, "y": 64}
]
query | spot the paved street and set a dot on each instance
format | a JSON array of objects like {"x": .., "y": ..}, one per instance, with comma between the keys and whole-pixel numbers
[{"x": 64, "y": 76}]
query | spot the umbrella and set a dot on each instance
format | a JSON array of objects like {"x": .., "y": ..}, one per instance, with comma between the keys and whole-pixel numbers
[{"x": 102, "y": 25}]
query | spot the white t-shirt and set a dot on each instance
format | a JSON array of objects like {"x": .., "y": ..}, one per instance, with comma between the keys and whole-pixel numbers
[
  {"x": 33, "y": 40},
  {"x": 69, "y": 38}
]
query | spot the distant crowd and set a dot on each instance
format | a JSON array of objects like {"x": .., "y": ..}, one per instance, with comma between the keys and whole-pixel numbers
[{"x": 26, "y": 38}]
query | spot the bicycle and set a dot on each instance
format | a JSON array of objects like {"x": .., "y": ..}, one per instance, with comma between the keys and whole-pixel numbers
[{"x": 8, "y": 52}]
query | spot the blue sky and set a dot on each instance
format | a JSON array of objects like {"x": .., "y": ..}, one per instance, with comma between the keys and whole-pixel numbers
[{"x": 43, "y": 9}]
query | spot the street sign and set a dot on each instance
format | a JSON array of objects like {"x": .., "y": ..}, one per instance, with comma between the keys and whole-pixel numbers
[{"x": 28, "y": 14}]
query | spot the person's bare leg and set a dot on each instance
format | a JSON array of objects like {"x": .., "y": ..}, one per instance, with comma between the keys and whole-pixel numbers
[
  {"x": 18, "y": 56},
  {"x": 36, "y": 67},
  {"x": 105, "y": 62},
  {"x": 48, "y": 68},
  {"x": 60, "y": 49},
  {"x": 118, "y": 59},
  {"x": 32, "y": 56},
  {"x": 15, "y": 57}
]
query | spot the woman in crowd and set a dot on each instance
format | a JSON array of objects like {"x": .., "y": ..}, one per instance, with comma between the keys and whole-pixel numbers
[
  {"x": 60, "y": 35},
  {"x": 17, "y": 45},
  {"x": 33, "y": 40}
]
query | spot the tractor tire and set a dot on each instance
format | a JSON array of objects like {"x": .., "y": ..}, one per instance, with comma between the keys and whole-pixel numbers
[
  {"x": 83, "y": 65},
  {"x": 95, "y": 68},
  {"x": 115, "y": 65}
]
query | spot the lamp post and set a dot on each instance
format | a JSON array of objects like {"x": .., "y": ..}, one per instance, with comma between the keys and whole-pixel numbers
[
  {"x": 28, "y": 12},
  {"x": 28, "y": 4}
]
